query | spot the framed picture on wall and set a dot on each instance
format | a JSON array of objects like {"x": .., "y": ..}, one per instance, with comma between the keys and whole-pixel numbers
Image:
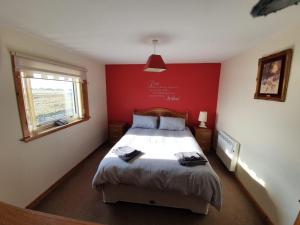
[{"x": 273, "y": 75}]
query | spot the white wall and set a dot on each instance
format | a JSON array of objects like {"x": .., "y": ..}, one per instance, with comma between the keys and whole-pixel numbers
[
  {"x": 28, "y": 169},
  {"x": 268, "y": 131}
]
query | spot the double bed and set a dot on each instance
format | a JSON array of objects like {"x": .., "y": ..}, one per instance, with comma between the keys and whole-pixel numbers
[{"x": 156, "y": 177}]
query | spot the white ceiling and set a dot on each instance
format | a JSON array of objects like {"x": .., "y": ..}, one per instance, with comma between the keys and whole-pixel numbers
[{"x": 121, "y": 31}]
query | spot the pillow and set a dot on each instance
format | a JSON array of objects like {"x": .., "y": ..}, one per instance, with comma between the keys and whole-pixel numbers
[
  {"x": 171, "y": 123},
  {"x": 147, "y": 122}
]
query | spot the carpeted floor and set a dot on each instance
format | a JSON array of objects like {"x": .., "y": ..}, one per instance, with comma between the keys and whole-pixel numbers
[{"x": 75, "y": 198}]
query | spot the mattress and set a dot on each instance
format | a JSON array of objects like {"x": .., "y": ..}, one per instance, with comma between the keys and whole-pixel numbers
[{"x": 157, "y": 168}]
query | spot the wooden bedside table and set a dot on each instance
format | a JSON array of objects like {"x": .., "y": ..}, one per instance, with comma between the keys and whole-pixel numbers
[
  {"x": 203, "y": 137},
  {"x": 116, "y": 131}
]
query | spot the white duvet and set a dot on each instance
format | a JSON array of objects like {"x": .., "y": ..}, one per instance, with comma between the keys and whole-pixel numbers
[{"x": 158, "y": 168}]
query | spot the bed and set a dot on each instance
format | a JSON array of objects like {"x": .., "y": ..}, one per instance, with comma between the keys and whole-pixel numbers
[{"x": 156, "y": 177}]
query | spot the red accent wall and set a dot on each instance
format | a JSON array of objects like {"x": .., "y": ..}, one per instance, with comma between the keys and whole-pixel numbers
[{"x": 182, "y": 87}]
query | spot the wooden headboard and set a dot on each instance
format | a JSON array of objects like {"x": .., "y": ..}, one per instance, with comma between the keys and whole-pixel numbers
[{"x": 162, "y": 112}]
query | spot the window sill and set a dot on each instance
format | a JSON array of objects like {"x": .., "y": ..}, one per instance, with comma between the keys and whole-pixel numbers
[{"x": 52, "y": 130}]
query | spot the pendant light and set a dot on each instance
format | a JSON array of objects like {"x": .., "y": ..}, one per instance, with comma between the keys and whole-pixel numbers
[{"x": 155, "y": 62}]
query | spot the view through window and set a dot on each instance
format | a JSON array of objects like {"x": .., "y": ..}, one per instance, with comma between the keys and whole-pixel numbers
[{"x": 49, "y": 98}]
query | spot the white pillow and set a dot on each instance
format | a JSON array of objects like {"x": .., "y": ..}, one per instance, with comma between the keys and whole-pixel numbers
[
  {"x": 171, "y": 123},
  {"x": 147, "y": 122}
]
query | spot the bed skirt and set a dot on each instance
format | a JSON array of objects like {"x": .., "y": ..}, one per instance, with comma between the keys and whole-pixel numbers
[{"x": 114, "y": 193}]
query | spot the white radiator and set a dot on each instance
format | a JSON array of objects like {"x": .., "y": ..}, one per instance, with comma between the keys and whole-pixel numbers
[{"x": 228, "y": 150}]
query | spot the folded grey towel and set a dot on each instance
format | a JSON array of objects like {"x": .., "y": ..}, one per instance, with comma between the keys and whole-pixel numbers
[
  {"x": 190, "y": 158},
  {"x": 126, "y": 153}
]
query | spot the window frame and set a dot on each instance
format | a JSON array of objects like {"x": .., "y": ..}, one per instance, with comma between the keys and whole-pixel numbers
[
  {"x": 76, "y": 99},
  {"x": 29, "y": 136}
]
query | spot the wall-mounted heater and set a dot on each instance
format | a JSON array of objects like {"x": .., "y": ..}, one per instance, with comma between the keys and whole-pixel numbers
[{"x": 228, "y": 150}]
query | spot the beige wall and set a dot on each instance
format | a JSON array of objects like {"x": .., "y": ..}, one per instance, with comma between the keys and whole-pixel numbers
[
  {"x": 268, "y": 131},
  {"x": 28, "y": 169}
]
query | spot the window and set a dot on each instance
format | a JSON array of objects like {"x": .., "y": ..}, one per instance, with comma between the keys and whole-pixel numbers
[{"x": 51, "y": 96}]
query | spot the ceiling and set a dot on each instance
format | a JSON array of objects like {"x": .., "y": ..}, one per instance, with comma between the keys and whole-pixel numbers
[{"x": 121, "y": 31}]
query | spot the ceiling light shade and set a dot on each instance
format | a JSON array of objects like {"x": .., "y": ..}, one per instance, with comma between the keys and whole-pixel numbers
[{"x": 155, "y": 62}]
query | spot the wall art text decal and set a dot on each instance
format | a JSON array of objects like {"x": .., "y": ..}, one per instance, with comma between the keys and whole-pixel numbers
[{"x": 167, "y": 92}]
